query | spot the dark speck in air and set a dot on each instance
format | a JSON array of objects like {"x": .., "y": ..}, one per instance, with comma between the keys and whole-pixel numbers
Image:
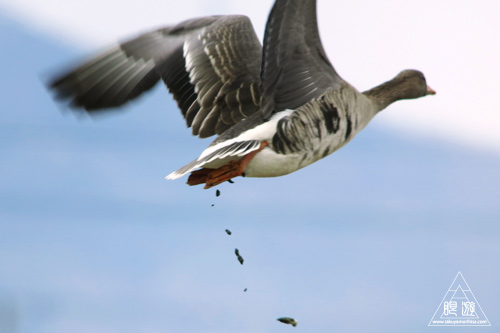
[
  {"x": 240, "y": 258},
  {"x": 288, "y": 320},
  {"x": 217, "y": 193},
  {"x": 228, "y": 232}
]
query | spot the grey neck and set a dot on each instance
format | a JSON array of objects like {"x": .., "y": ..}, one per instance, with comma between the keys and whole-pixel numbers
[{"x": 384, "y": 95}]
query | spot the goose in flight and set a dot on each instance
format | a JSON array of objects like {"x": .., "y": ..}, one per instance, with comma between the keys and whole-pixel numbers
[{"x": 275, "y": 108}]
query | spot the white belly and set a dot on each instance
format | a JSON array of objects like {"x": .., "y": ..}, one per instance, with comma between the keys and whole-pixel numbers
[{"x": 268, "y": 163}]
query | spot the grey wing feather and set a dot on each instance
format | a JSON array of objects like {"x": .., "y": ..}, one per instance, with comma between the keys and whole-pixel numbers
[
  {"x": 295, "y": 67},
  {"x": 211, "y": 65}
]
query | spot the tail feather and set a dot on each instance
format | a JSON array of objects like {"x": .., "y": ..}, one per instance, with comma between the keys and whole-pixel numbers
[{"x": 239, "y": 148}]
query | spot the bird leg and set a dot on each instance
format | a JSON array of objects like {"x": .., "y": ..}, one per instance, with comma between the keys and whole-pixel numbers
[{"x": 212, "y": 177}]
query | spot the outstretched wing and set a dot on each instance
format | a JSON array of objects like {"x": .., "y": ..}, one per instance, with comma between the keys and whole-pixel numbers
[
  {"x": 295, "y": 68},
  {"x": 211, "y": 65}
]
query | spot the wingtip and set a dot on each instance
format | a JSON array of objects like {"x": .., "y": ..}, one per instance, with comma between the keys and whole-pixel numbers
[
  {"x": 175, "y": 175},
  {"x": 171, "y": 176}
]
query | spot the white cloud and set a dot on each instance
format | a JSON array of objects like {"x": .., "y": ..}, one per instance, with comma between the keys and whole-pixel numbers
[{"x": 368, "y": 42}]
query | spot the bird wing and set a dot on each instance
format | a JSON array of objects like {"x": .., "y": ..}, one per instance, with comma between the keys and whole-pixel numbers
[
  {"x": 211, "y": 65},
  {"x": 295, "y": 67}
]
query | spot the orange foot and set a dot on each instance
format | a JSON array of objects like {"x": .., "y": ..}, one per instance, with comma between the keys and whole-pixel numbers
[
  {"x": 198, "y": 177},
  {"x": 212, "y": 177}
]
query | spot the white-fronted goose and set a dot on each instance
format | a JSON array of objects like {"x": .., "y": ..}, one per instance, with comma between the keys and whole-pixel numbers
[{"x": 276, "y": 109}]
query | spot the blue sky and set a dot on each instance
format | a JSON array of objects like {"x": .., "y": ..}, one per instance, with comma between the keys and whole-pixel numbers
[{"x": 93, "y": 239}]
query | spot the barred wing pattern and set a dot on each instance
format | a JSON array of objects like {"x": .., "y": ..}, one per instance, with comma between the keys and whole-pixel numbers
[{"x": 211, "y": 65}]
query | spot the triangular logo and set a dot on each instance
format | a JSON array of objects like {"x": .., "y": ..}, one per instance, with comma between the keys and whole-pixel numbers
[{"x": 459, "y": 307}]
